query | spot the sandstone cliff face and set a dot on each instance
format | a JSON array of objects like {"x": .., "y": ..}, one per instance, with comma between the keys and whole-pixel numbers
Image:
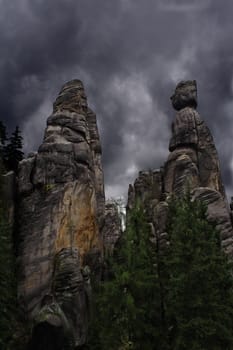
[
  {"x": 192, "y": 164},
  {"x": 64, "y": 226},
  {"x": 61, "y": 213}
]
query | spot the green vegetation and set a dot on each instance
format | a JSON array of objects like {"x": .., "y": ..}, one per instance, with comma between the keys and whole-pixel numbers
[
  {"x": 180, "y": 298},
  {"x": 199, "y": 287},
  {"x": 13, "y": 151},
  {"x": 127, "y": 315},
  {"x": 11, "y": 148},
  {"x": 3, "y": 133}
]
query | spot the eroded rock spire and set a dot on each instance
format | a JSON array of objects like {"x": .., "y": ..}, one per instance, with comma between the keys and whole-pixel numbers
[
  {"x": 192, "y": 164},
  {"x": 61, "y": 210},
  {"x": 185, "y": 95},
  {"x": 193, "y": 157}
]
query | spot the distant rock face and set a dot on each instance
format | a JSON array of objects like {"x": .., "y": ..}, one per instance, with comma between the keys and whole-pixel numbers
[
  {"x": 61, "y": 212},
  {"x": 112, "y": 228},
  {"x": 192, "y": 164}
]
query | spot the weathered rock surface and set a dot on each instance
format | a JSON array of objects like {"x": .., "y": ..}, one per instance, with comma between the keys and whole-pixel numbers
[
  {"x": 62, "y": 319},
  {"x": 96, "y": 155},
  {"x": 112, "y": 228},
  {"x": 64, "y": 226},
  {"x": 217, "y": 212},
  {"x": 185, "y": 95},
  {"x": 192, "y": 165},
  {"x": 9, "y": 193},
  {"x": 192, "y": 140},
  {"x": 61, "y": 211}
]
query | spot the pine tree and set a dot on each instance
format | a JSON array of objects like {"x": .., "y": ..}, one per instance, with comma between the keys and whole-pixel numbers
[
  {"x": 3, "y": 134},
  {"x": 128, "y": 310},
  {"x": 13, "y": 150},
  {"x": 199, "y": 288},
  {"x": 3, "y": 139}
]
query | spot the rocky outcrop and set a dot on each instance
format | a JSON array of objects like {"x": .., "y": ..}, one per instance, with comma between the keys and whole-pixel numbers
[
  {"x": 9, "y": 194},
  {"x": 148, "y": 188},
  {"x": 193, "y": 154},
  {"x": 61, "y": 213},
  {"x": 97, "y": 158},
  {"x": 64, "y": 227},
  {"x": 62, "y": 317},
  {"x": 185, "y": 95},
  {"x": 112, "y": 228},
  {"x": 218, "y": 213},
  {"x": 191, "y": 165}
]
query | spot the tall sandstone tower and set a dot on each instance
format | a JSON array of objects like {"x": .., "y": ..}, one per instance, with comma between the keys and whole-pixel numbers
[
  {"x": 63, "y": 226},
  {"x": 60, "y": 214},
  {"x": 192, "y": 163}
]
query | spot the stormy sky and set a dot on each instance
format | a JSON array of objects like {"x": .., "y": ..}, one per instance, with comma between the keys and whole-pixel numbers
[{"x": 129, "y": 54}]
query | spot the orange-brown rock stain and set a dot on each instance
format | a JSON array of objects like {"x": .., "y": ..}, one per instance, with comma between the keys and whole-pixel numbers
[{"x": 78, "y": 223}]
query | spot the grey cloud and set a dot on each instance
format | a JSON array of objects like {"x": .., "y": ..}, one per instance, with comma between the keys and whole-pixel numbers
[
  {"x": 130, "y": 55},
  {"x": 184, "y": 5}
]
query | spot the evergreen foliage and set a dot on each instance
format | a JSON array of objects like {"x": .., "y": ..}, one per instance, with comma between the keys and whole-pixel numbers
[
  {"x": 3, "y": 139},
  {"x": 13, "y": 150},
  {"x": 128, "y": 307},
  {"x": 199, "y": 285},
  {"x": 3, "y": 133},
  {"x": 177, "y": 299}
]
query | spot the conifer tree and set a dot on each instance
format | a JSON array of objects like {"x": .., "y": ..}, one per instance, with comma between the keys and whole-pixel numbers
[
  {"x": 3, "y": 134},
  {"x": 199, "y": 288},
  {"x": 194, "y": 282},
  {"x": 13, "y": 150},
  {"x": 128, "y": 310},
  {"x": 3, "y": 139}
]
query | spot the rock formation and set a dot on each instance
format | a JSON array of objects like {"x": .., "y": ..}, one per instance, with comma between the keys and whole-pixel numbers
[
  {"x": 192, "y": 164},
  {"x": 60, "y": 216},
  {"x": 112, "y": 228},
  {"x": 64, "y": 227}
]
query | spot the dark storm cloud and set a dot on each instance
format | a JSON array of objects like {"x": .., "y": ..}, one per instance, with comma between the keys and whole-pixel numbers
[{"x": 130, "y": 54}]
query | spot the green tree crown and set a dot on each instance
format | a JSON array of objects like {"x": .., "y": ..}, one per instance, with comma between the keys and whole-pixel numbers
[{"x": 199, "y": 286}]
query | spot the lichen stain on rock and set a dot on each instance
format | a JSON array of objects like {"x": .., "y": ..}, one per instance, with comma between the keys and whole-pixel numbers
[{"x": 78, "y": 224}]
